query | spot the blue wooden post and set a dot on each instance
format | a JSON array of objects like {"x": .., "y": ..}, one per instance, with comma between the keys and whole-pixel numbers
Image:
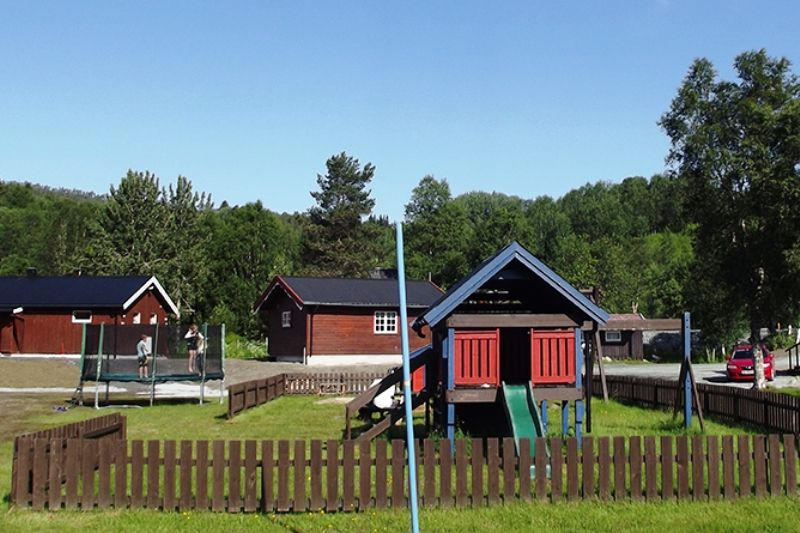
[
  {"x": 543, "y": 410},
  {"x": 687, "y": 359},
  {"x": 564, "y": 418},
  {"x": 579, "y": 384},
  {"x": 448, "y": 349}
]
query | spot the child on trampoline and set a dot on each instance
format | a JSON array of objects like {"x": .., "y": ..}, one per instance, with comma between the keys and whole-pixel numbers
[
  {"x": 194, "y": 344},
  {"x": 142, "y": 351}
]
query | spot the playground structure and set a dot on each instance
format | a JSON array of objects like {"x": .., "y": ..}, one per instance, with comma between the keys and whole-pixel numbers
[
  {"x": 506, "y": 340},
  {"x": 108, "y": 353}
]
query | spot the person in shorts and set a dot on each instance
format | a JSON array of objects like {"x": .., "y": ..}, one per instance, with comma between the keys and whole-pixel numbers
[
  {"x": 142, "y": 352},
  {"x": 195, "y": 343}
]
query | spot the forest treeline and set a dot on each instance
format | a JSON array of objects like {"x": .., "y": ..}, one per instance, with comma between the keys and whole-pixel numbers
[
  {"x": 215, "y": 261},
  {"x": 715, "y": 234}
]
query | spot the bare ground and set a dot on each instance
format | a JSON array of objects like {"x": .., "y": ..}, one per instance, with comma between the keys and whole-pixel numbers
[{"x": 58, "y": 372}]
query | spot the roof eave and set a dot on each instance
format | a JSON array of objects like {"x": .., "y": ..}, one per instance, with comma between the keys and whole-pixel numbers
[{"x": 154, "y": 282}]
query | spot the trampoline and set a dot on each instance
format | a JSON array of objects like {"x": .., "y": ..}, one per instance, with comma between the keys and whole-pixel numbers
[{"x": 108, "y": 353}]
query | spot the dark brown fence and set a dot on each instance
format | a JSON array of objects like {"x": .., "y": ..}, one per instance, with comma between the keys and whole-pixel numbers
[
  {"x": 253, "y": 393},
  {"x": 301, "y": 476},
  {"x": 772, "y": 411},
  {"x": 260, "y": 391},
  {"x": 110, "y": 427}
]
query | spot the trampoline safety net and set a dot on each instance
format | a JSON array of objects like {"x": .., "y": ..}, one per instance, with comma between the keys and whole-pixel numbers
[{"x": 115, "y": 348}]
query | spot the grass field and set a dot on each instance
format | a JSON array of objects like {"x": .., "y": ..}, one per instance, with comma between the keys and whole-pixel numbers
[{"x": 312, "y": 417}]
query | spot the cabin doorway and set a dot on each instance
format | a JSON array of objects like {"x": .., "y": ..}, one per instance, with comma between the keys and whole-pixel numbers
[{"x": 515, "y": 355}]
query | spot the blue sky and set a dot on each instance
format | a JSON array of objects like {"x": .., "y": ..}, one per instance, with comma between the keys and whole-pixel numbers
[{"x": 248, "y": 99}]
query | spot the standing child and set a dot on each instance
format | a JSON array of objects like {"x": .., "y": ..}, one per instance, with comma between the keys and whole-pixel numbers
[
  {"x": 194, "y": 340},
  {"x": 142, "y": 351}
]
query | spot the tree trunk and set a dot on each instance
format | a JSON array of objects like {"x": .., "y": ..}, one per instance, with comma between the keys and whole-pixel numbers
[{"x": 759, "y": 380}]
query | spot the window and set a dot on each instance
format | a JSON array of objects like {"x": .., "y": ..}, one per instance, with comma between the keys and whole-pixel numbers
[
  {"x": 137, "y": 318},
  {"x": 153, "y": 318},
  {"x": 613, "y": 336},
  {"x": 385, "y": 322},
  {"x": 286, "y": 319},
  {"x": 81, "y": 317}
]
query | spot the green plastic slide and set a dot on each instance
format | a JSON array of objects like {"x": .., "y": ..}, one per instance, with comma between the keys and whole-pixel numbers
[{"x": 523, "y": 414}]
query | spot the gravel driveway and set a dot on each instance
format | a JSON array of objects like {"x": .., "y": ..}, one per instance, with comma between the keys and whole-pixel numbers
[{"x": 711, "y": 373}]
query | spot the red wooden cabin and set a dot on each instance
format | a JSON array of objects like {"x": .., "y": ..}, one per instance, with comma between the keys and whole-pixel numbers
[
  {"x": 45, "y": 315},
  {"x": 339, "y": 320}
]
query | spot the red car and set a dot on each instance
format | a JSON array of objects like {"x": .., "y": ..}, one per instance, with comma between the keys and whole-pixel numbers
[{"x": 740, "y": 364}]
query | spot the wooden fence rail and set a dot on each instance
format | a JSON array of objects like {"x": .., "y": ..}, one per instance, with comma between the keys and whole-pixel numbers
[
  {"x": 771, "y": 411},
  {"x": 249, "y": 394},
  {"x": 300, "y": 476}
]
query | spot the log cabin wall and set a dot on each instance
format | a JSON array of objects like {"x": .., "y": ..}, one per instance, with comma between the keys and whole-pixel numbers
[
  {"x": 630, "y": 346},
  {"x": 350, "y": 331}
]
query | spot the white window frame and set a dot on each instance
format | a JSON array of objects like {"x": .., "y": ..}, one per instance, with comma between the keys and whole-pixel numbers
[
  {"x": 137, "y": 318},
  {"x": 286, "y": 319},
  {"x": 78, "y": 320},
  {"x": 153, "y": 318},
  {"x": 384, "y": 323},
  {"x": 613, "y": 335}
]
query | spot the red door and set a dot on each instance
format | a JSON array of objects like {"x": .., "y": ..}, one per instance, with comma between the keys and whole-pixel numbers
[
  {"x": 552, "y": 356},
  {"x": 476, "y": 357}
]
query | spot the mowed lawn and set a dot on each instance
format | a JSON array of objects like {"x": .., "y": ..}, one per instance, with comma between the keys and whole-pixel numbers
[{"x": 313, "y": 417}]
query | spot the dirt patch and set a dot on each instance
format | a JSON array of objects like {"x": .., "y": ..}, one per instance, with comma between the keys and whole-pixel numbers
[
  {"x": 338, "y": 399},
  {"x": 29, "y": 373}
]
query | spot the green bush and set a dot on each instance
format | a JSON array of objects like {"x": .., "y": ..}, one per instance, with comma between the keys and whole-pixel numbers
[
  {"x": 238, "y": 347},
  {"x": 780, "y": 341}
]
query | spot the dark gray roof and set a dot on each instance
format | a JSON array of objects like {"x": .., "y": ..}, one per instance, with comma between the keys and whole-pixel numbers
[
  {"x": 355, "y": 292},
  {"x": 72, "y": 292}
]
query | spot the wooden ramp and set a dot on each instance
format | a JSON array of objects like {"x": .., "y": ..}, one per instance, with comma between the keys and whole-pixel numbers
[{"x": 363, "y": 406}]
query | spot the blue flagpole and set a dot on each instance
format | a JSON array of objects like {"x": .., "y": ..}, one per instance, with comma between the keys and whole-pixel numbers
[{"x": 412, "y": 462}]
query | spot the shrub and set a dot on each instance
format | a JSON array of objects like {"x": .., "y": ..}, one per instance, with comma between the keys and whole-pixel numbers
[
  {"x": 780, "y": 340},
  {"x": 238, "y": 347}
]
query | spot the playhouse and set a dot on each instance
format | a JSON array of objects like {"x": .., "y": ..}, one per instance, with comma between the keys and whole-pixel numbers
[{"x": 509, "y": 337}]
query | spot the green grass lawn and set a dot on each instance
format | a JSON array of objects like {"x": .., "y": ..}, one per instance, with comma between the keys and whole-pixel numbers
[
  {"x": 313, "y": 417},
  {"x": 778, "y": 514}
]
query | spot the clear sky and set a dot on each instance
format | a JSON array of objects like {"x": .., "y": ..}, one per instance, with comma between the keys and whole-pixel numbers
[{"x": 248, "y": 99}]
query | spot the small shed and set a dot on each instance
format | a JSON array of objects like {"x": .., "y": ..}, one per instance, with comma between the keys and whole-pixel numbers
[
  {"x": 340, "y": 320},
  {"x": 46, "y": 314},
  {"x": 623, "y": 336}
]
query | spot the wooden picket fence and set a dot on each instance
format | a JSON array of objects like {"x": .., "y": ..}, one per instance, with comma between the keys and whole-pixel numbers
[
  {"x": 331, "y": 383},
  {"x": 249, "y": 394},
  {"x": 771, "y": 411},
  {"x": 300, "y": 476},
  {"x": 112, "y": 427}
]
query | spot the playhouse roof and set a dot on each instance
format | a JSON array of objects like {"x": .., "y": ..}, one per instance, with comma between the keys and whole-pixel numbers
[
  {"x": 492, "y": 266},
  {"x": 351, "y": 292},
  {"x": 77, "y": 292}
]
